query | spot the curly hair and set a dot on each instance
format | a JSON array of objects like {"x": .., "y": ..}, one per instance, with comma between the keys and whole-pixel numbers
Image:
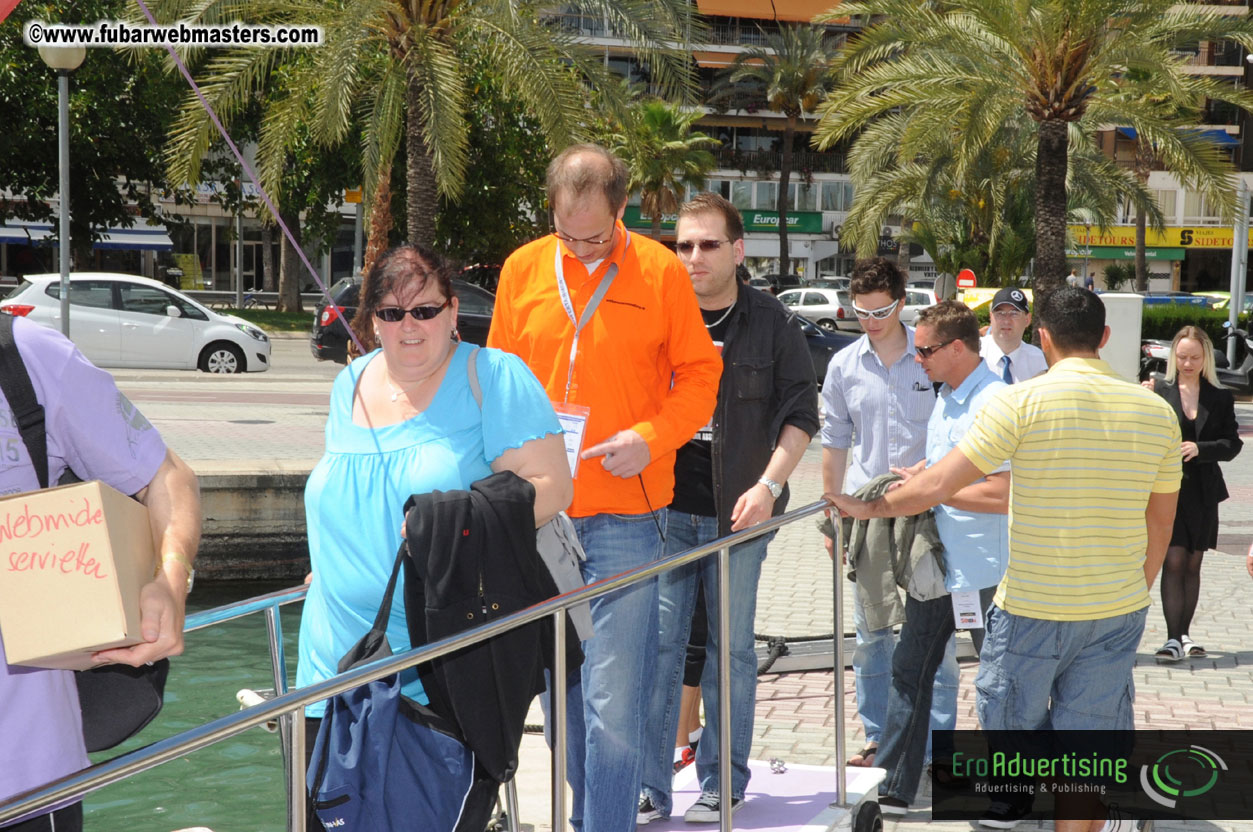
[{"x": 394, "y": 271}]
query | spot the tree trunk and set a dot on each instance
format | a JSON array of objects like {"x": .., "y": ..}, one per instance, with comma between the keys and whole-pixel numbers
[
  {"x": 380, "y": 219},
  {"x": 785, "y": 176},
  {"x": 267, "y": 257},
  {"x": 421, "y": 198},
  {"x": 655, "y": 231},
  {"x": 1142, "y": 264},
  {"x": 290, "y": 266},
  {"x": 1050, "y": 208}
]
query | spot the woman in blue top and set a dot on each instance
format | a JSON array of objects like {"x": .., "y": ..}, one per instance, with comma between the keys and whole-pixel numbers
[{"x": 403, "y": 420}]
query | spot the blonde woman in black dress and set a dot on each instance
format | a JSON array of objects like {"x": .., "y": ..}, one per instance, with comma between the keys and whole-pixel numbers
[{"x": 1207, "y": 420}]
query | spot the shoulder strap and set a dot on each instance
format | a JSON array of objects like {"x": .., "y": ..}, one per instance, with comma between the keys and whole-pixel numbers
[
  {"x": 472, "y": 375},
  {"x": 16, "y": 386}
]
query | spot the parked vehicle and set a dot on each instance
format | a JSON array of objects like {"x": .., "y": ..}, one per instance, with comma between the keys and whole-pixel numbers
[
  {"x": 916, "y": 300},
  {"x": 1222, "y": 300},
  {"x": 828, "y": 308},
  {"x": 123, "y": 320},
  {"x": 328, "y": 340},
  {"x": 1185, "y": 298},
  {"x": 822, "y": 345},
  {"x": 783, "y": 282},
  {"x": 1154, "y": 353},
  {"x": 1238, "y": 379}
]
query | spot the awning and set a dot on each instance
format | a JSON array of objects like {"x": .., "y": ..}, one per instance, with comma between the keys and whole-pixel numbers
[
  {"x": 1219, "y": 137},
  {"x": 796, "y": 10},
  {"x": 24, "y": 233},
  {"x": 139, "y": 238}
]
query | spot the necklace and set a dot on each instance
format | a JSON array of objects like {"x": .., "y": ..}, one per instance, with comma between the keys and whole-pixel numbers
[
  {"x": 723, "y": 318},
  {"x": 397, "y": 392}
]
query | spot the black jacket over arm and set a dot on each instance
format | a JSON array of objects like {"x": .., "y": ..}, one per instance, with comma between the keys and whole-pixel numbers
[
  {"x": 472, "y": 560},
  {"x": 1217, "y": 436},
  {"x": 767, "y": 382}
]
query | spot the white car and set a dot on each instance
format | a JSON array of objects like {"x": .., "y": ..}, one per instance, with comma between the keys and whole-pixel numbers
[
  {"x": 121, "y": 320},
  {"x": 916, "y": 300},
  {"x": 828, "y": 308}
]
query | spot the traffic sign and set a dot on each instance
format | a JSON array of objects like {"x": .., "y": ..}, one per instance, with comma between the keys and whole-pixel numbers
[{"x": 966, "y": 279}]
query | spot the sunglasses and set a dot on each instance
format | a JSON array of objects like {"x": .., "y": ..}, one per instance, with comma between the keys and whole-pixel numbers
[
  {"x": 927, "y": 352},
  {"x": 706, "y": 246},
  {"x": 878, "y": 314},
  {"x": 392, "y": 314}
]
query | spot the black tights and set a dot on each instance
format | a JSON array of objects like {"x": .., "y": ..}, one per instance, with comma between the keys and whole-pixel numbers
[{"x": 1181, "y": 586}]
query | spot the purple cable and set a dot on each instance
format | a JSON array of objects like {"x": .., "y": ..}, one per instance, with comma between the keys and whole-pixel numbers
[{"x": 291, "y": 239}]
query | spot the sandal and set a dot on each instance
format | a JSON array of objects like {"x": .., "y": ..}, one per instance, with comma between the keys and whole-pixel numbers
[
  {"x": 865, "y": 757},
  {"x": 1171, "y": 651},
  {"x": 1191, "y": 649},
  {"x": 942, "y": 775}
]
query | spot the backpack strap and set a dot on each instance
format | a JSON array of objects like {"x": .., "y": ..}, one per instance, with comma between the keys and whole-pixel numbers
[{"x": 20, "y": 393}]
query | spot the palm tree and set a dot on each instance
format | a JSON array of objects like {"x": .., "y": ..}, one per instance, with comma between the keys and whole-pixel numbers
[
  {"x": 975, "y": 211},
  {"x": 793, "y": 67},
  {"x": 664, "y": 155},
  {"x": 973, "y": 65},
  {"x": 398, "y": 69}
]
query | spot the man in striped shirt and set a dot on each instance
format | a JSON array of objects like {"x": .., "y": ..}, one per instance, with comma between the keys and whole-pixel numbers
[{"x": 1096, "y": 472}]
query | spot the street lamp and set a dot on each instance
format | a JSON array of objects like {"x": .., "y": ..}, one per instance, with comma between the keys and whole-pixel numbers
[{"x": 64, "y": 59}]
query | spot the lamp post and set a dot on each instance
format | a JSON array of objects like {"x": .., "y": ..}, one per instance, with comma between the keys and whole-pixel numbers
[{"x": 64, "y": 59}]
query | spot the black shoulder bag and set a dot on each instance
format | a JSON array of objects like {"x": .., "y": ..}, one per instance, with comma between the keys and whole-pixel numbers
[{"x": 117, "y": 700}]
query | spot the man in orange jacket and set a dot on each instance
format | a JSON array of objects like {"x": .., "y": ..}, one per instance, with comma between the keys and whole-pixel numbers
[{"x": 609, "y": 323}]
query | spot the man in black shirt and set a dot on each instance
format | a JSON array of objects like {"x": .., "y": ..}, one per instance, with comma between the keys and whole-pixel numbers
[{"x": 730, "y": 476}]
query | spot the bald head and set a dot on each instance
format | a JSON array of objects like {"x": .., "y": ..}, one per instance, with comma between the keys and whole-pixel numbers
[{"x": 582, "y": 171}]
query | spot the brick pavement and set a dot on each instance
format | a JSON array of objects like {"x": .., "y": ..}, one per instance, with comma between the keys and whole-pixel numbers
[{"x": 795, "y": 713}]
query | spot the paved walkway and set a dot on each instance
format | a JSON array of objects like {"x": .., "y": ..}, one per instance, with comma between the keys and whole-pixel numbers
[{"x": 274, "y": 422}]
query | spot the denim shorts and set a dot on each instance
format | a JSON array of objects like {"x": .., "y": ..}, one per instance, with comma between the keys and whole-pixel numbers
[{"x": 1064, "y": 675}]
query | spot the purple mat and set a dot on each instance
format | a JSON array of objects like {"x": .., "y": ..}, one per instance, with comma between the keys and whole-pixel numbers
[{"x": 792, "y": 800}]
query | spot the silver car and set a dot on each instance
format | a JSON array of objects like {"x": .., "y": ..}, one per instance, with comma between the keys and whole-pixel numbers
[
  {"x": 121, "y": 320},
  {"x": 828, "y": 308}
]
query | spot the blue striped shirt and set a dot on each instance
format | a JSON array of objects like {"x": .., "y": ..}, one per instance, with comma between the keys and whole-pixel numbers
[{"x": 880, "y": 412}]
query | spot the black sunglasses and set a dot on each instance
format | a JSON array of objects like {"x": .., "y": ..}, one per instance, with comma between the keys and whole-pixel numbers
[
  {"x": 392, "y": 314},
  {"x": 927, "y": 352},
  {"x": 686, "y": 246}
]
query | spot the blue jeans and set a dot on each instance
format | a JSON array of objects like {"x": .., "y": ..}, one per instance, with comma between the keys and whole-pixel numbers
[
  {"x": 678, "y": 600},
  {"x": 608, "y": 697},
  {"x": 872, "y": 672},
  {"x": 926, "y": 636},
  {"x": 1062, "y": 675}
]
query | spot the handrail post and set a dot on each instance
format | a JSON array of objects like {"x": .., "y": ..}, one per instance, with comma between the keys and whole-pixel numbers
[
  {"x": 724, "y": 688},
  {"x": 557, "y": 683},
  {"x": 291, "y": 735},
  {"x": 837, "y": 596}
]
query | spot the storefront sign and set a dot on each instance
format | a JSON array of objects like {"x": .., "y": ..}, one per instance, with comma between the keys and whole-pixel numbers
[
  {"x": 1124, "y": 236},
  {"x": 1119, "y": 253},
  {"x": 799, "y": 222}
]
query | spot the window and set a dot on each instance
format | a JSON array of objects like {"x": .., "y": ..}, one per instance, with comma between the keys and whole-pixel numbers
[
  {"x": 791, "y": 298},
  {"x": 815, "y": 299},
  {"x": 94, "y": 293},
  {"x": 1197, "y": 210},
  {"x": 149, "y": 300},
  {"x": 767, "y": 195},
  {"x": 472, "y": 302},
  {"x": 807, "y": 197},
  {"x": 742, "y": 195},
  {"x": 837, "y": 196}
]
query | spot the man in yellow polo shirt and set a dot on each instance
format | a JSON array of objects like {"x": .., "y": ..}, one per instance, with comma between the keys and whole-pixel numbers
[
  {"x": 1096, "y": 470},
  {"x": 608, "y": 321}
]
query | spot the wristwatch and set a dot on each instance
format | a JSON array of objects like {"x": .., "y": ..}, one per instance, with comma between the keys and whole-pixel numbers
[
  {"x": 775, "y": 488},
  {"x": 185, "y": 562}
]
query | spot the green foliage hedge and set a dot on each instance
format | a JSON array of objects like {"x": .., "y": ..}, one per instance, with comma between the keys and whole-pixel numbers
[{"x": 1164, "y": 320}]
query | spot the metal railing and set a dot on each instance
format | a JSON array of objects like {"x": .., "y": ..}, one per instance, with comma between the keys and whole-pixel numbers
[{"x": 287, "y": 705}]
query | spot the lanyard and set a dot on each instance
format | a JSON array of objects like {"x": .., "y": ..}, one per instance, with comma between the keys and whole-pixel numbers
[{"x": 588, "y": 311}]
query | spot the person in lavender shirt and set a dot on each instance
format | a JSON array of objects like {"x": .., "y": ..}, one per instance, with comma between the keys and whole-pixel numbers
[{"x": 93, "y": 429}]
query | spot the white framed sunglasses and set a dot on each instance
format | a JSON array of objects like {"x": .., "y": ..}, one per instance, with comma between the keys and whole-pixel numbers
[{"x": 878, "y": 314}]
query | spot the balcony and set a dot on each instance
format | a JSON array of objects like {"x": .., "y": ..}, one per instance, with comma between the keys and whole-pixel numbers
[{"x": 768, "y": 161}]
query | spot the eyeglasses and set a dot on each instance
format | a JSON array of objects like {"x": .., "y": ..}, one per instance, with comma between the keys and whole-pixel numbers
[
  {"x": 927, "y": 352},
  {"x": 565, "y": 238},
  {"x": 878, "y": 314},
  {"x": 392, "y": 314},
  {"x": 706, "y": 246},
  {"x": 1007, "y": 313}
]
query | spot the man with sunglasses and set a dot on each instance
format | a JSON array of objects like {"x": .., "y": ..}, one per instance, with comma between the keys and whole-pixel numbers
[
  {"x": 877, "y": 400},
  {"x": 1010, "y": 357},
  {"x": 974, "y": 530},
  {"x": 731, "y": 476},
  {"x": 608, "y": 322}
]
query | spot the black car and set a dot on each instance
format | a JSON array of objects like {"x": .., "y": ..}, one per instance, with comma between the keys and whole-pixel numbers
[
  {"x": 823, "y": 344},
  {"x": 328, "y": 341}
]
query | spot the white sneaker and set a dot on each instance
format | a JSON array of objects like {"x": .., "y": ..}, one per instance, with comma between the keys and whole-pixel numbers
[{"x": 647, "y": 812}]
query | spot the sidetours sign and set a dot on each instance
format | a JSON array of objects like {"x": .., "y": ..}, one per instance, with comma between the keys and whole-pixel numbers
[
  {"x": 799, "y": 222},
  {"x": 1122, "y": 236}
]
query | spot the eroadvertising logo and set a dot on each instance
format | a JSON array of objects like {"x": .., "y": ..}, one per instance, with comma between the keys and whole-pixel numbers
[{"x": 1070, "y": 775}]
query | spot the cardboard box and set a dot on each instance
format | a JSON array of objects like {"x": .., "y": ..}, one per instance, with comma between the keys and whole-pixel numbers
[{"x": 72, "y": 562}]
